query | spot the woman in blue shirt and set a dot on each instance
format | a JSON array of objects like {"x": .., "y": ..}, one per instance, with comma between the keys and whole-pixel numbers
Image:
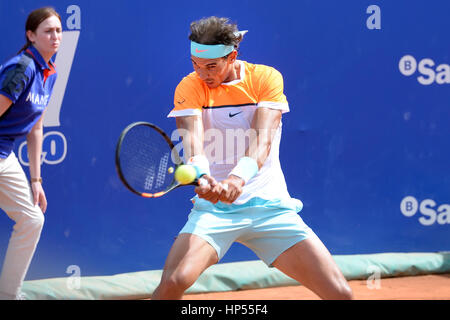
[{"x": 26, "y": 84}]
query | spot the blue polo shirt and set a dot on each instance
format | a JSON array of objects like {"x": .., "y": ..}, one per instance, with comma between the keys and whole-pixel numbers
[{"x": 28, "y": 81}]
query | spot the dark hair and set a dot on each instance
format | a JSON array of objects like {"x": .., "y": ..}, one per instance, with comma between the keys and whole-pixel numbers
[
  {"x": 215, "y": 30},
  {"x": 35, "y": 18}
]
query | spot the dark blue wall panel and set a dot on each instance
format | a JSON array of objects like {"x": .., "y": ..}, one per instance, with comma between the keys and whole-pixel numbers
[{"x": 361, "y": 136}]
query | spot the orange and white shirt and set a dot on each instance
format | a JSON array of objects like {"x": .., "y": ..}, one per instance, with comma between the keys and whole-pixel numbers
[{"x": 227, "y": 112}]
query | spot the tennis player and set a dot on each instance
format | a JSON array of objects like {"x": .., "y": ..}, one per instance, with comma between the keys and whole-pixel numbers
[
  {"x": 26, "y": 84},
  {"x": 246, "y": 200}
]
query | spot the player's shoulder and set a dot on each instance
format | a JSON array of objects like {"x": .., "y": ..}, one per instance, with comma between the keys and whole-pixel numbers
[
  {"x": 261, "y": 70},
  {"x": 263, "y": 74},
  {"x": 190, "y": 87},
  {"x": 192, "y": 80}
]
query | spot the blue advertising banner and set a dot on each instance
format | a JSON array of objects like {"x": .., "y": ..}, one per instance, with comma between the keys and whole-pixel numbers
[{"x": 365, "y": 145}]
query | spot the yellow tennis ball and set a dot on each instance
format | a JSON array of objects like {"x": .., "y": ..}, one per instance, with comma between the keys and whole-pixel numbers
[
  {"x": 185, "y": 174},
  {"x": 170, "y": 170}
]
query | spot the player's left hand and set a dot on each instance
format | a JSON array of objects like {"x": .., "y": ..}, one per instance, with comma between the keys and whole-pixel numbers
[{"x": 232, "y": 189}]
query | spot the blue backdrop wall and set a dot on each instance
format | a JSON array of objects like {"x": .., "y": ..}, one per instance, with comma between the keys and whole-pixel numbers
[{"x": 365, "y": 146}]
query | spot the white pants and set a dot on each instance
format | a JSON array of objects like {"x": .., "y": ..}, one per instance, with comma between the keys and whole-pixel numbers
[{"x": 16, "y": 199}]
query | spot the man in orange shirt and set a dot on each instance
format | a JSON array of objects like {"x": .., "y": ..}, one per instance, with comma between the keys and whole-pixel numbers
[{"x": 246, "y": 199}]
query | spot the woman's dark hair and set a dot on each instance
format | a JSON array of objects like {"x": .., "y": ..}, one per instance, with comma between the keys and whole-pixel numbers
[
  {"x": 215, "y": 30},
  {"x": 35, "y": 18}
]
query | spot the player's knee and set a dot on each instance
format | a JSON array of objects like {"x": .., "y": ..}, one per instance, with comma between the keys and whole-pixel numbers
[{"x": 178, "y": 281}]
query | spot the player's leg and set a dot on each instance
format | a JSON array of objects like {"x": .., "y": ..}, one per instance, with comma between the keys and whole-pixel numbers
[
  {"x": 282, "y": 239},
  {"x": 189, "y": 256},
  {"x": 310, "y": 263},
  {"x": 204, "y": 239},
  {"x": 16, "y": 200}
]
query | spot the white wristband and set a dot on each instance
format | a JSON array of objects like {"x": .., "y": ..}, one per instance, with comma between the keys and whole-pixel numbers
[
  {"x": 201, "y": 164},
  {"x": 245, "y": 169}
]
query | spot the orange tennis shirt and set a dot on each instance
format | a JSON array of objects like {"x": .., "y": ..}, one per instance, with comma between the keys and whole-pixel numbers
[{"x": 227, "y": 112}]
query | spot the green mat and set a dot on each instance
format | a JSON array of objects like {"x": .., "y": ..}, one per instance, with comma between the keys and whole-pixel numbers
[{"x": 231, "y": 276}]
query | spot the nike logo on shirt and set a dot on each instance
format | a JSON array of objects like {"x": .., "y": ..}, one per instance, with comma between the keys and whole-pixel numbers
[{"x": 231, "y": 115}]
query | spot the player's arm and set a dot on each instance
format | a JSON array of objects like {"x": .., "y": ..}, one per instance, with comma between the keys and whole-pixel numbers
[
  {"x": 34, "y": 146},
  {"x": 191, "y": 130},
  {"x": 265, "y": 124},
  {"x": 5, "y": 103}
]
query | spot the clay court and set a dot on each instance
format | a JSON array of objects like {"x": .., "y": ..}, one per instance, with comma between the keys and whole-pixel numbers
[
  {"x": 382, "y": 276},
  {"x": 426, "y": 287}
]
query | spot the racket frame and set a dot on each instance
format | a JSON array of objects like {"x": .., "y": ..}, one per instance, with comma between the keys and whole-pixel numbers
[{"x": 174, "y": 184}]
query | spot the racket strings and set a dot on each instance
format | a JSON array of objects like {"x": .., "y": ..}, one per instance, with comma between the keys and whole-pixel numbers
[{"x": 144, "y": 160}]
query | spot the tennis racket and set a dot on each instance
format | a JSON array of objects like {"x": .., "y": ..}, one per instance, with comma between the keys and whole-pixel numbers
[{"x": 146, "y": 160}]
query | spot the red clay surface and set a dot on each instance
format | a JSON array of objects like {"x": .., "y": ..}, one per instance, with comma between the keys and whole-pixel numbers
[{"x": 427, "y": 287}]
